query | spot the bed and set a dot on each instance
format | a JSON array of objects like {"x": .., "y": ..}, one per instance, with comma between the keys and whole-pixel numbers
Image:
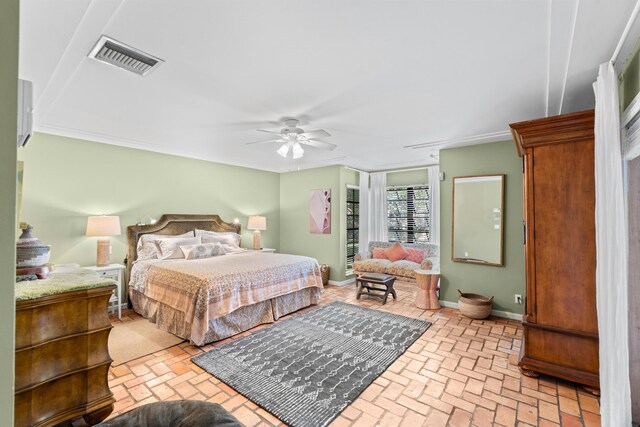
[{"x": 205, "y": 300}]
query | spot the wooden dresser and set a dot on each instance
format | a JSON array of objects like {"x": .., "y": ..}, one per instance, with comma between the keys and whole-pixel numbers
[
  {"x": 560, "y": 322},
  {"x": 62, "y": 360}
]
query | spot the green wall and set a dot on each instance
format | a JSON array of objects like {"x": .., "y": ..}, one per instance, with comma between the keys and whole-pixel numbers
[
  {"x": 295, "y": 237},
  {"x": 66, "y": 179},
  {"x": 630, "y": 79},
  {"x": 9, "y": 11},
  {"x": 502, "y": 282}
]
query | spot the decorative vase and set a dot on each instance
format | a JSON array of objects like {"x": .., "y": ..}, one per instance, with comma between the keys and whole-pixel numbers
[{"x": 31, "y": 252}]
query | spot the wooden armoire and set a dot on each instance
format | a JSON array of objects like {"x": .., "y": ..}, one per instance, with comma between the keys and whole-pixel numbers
[{"x": 560, "y": 322}]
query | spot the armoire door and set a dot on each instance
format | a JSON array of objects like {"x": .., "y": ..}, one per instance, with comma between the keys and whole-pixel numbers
[{"x": 564, "y": 236}]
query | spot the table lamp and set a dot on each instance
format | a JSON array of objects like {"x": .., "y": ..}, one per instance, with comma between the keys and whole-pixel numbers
[
  {"x": 103, "y": 226},
  {"x": 257, "y": 223}
]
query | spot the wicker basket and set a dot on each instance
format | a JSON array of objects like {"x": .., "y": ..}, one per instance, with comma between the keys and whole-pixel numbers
[{"x": 474, "y": 306}]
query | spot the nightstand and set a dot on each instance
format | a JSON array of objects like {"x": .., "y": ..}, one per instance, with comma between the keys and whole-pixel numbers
[{"x": 115, "y": 272}]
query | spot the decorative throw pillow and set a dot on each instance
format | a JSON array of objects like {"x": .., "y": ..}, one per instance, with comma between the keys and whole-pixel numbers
[
  {"x": 204, "y": 250},
  {"x": 415, "y": 255},
  {"x": 236, "y": 236},
  {"x": 378, "y": 253},
  {"x": 170, "y": 248},
  {"x": 396, "y": 252},
  {"x": 146, "y": 248},
  {"x": 228, "y": 241}
]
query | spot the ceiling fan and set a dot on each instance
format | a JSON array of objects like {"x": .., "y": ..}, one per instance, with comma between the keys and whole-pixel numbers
[{"x": 293, "y": 138}]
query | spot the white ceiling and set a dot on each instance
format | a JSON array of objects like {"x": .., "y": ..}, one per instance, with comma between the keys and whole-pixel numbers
[{"x": 377, "y": 75}]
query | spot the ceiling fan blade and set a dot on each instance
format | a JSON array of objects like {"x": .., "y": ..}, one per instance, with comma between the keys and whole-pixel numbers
[
  {"x": 319, "y": 144},
  {"x": 316, "y": 134},
  {"x": 269, "y": 131},
  {"x": 262, "y": 142}
]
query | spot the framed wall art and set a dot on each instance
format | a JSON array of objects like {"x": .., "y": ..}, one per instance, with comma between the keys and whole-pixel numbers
[{"x": 320, "y": 211}]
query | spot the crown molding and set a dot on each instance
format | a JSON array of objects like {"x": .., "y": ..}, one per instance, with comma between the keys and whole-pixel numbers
[{"x": 464, "y": 141}]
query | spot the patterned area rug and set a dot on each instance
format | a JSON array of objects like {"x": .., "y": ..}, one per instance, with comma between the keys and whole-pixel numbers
[{"x": 305, "y": 370}]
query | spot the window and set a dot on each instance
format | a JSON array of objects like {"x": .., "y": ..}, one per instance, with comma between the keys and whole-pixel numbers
[
  {"x": 353, "y": 222},
  {"x": 408, "y": 214}
]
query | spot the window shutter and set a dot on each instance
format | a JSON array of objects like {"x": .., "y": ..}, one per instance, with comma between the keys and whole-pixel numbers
[{"x": 408, "y": 214}]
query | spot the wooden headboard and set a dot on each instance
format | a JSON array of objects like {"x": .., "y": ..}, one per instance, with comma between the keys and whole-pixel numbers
[{"x": 173, "y": 224}]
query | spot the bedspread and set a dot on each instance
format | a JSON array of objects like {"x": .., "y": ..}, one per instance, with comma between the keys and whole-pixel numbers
[{"x": 208, "y": 289}]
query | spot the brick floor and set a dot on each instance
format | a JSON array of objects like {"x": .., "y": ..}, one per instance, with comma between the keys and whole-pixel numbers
[{"x": 461, "y": 372}]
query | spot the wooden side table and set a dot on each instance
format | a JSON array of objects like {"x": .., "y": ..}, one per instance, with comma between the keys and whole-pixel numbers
[
  {"x": 426, "y": 297},
  {"x": 367, "y": 282}
]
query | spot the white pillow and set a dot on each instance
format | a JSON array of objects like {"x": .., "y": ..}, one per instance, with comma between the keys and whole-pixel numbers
[
  {"x": 205, "y": 250},
  {"x": 170, "y": 248},
  {"x": 146, "y": 247},
  {"x": 236, "y": 237},
  {"x": 228, "y": 243}
]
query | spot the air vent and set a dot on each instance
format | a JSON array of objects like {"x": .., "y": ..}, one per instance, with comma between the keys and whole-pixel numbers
[{"x": 120, "y": 55}]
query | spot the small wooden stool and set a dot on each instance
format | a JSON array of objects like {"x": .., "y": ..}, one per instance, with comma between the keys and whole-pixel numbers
[
  {"x": 426, "y": 297},
  {"x": 366, "y": 281}
]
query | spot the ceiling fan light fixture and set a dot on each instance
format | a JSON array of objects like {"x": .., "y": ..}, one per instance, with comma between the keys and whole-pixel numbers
[
  {"x": 298, "y": 151},
  {"x": 284, "y": 150}
]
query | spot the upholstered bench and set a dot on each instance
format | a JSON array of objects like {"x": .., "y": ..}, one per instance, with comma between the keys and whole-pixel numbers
[{"x": 176, "y": 413}]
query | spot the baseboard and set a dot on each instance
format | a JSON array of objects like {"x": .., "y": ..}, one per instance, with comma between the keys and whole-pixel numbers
[
  {"x": 497, "y": 313},
  {"x": 343, "y": 283},
  {"x": 114, "y": 308}
]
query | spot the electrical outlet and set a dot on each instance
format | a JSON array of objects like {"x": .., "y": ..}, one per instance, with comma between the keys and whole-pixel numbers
[{"x": 518, "y": 299}]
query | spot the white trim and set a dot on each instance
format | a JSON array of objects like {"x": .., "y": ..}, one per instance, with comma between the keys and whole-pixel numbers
[
  {"x": 406, "y": 170},
  {"x": 470, "y": 140},
  {"x": 402, "y": 166},
  {"x": 547, "y": 95},
  {"x": 566, "y": 71},
  {"x": 497, "y": 313},
  {"x": 343, "y": 283},
  {"x": 622, "y": 43}
]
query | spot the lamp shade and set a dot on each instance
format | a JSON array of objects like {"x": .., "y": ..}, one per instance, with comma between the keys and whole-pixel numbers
[
  {"x": 103, "y": 225},
  {"x": 257, "y": 223}
]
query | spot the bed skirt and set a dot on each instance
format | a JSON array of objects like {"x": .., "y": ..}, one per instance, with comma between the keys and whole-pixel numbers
[{"x": 240, "y": 320}]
